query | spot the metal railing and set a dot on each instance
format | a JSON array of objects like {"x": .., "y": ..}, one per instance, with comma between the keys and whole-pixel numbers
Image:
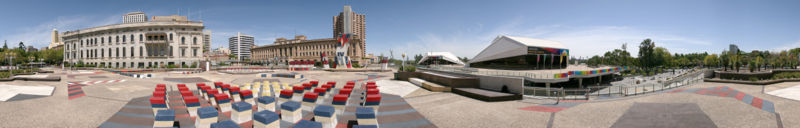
[{"x": 688, "y": 78}]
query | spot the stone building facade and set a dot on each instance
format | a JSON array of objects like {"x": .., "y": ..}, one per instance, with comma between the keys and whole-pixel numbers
[
  {"x": 154, "y": 43},
  {"x": 301, "y": 49}
]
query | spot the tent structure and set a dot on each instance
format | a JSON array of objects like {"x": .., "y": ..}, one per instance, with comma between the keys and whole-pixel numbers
[
  {"x": 439, "y": 58},
  {"x": 510, "y": 52}
]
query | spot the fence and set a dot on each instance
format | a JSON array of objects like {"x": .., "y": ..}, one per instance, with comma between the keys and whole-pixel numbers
[
  {"x": 613, "y": 91},
  {"x": 569, "y": 94}
]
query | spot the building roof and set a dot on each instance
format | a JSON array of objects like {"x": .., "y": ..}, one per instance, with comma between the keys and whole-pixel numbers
[
  {"x": 508, "y": 46},
  {"x": 444, "y": 55},
  {"x": 537, "y": 42}
]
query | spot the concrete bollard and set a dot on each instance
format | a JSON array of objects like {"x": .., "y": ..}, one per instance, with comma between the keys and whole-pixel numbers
[
  {"x": 164, "y": 118},
  {"x": 242, "y": 112},
  {"x": 307, "y": 124},
  {"x": 206, "y": 116},
  {"x": 321, "y": 92},
  {"x": 192, "y": 104},
  {"x": 346, "y": 91},
  {"x": 158, "y": 103},
  {"x": 285, "y": 96},
  {"x": 290, "y": 111},
  {"x": 235, "y": 94},
  {"x": 309, "y": 101},
  {"x": 266, "y": 103},
  {"x": 266, "y": 119},
  {"x": 339, "y": 103},
  {"x": 327, "y": 87},
  {"x": 203, "y": 92},
  {"x": 366, "y": 116},
  {"x": 247, "y": 96},
  {"x": 373, "y": 101},
  {"x": 186, "y": 93},
  {"x": 211, "y": 96},
  {"x": 348, "y": 87},
  {"x": 307, "y": 87},
  {"x": 225, "y": 124},
  {"x": 325, "y": 115},
  {"x": 332, "y": 83},
  {"x": 226, "y": 89},
  {"x": 223, "y": 102},
  {"x": 298, "y": 93}
]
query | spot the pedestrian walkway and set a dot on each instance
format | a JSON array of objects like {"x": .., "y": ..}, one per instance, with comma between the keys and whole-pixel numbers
[
  {"x": 725, "y": 91},
  {"x": 788, "y": 93}
]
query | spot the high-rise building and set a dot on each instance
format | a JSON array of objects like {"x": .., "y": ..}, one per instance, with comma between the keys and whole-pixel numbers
[
  {"x": 350, "y": 22},
  {"x": 240, "y": 45},
  {"x": 206, "y": 40},
  {"x": 136, "y": 44},
  {"x": 134, "y": 17},
  {"x": 55, "y": 40}
]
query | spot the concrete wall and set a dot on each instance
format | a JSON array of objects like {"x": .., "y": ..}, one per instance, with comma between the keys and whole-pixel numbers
[{"x": 496, "y": 83}]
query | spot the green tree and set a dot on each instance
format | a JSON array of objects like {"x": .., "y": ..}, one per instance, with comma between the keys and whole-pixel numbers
[
  {"x": 646, "y": 56},
  {"x": 711, "y": 60}
]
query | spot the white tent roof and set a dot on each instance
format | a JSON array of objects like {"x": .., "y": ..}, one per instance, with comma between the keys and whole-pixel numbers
[
  {"x": 444, "y": 55},
  {"x": 508, "y": 46}
]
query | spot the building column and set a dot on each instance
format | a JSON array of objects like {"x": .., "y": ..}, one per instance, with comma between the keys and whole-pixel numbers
[
  {"x": 599, "y": 80},
  {"x": 547, "y": 87},
  {"x": 580, "y": 82}
]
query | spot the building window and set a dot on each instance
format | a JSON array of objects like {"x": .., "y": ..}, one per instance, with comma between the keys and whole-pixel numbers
[
  {"x": 102, "y": 40},
  {"x": 131, "y": 38},
  {"x": 109, "y": 41},
  {"x": 183, "y": 40},
  {"x": 132, "y": 53},
  {"x": 170, "y": 37},
  {"x": 141, "y": 37},
  {"x": 123, "y": 52},
  {"x": 194, "y": 41},
  {"x": 141, "y": 50},
  {"x": 194, "y": 52},
  {"x": 109, "y": 52},
  {"x": 123, "y": 38},
  {"x": 183, "y": 52},
  {"x": 116, "y": 40}
]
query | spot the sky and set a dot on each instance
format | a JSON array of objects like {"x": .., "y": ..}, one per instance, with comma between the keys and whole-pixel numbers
[{"x": 463, "y": 27}]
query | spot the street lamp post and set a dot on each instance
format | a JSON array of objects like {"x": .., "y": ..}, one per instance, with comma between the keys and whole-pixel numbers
[{"x": 10, "y": 63}]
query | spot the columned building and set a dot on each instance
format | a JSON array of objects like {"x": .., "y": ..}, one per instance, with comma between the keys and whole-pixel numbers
[
  {"x": 171, "y": 40},
  {"x": 240, "y": 46},
  {"x": 301, "y": 49}
]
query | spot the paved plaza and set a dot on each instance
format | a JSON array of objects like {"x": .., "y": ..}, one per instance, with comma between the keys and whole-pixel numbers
[{"x": 94, "y": 98}]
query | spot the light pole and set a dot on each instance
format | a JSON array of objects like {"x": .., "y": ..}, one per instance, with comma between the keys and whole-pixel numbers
[
  {"x": 31, "y": 59},
  {"x": 10, "y": 63}
]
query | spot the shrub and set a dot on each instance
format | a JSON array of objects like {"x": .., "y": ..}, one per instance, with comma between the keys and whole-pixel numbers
[
  {"x": 753, "y": 79},
  {"x": 410, "y": 68}
]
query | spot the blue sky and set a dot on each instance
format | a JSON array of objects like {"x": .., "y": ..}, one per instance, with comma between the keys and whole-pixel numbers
[{"x": 463, "y": 27}]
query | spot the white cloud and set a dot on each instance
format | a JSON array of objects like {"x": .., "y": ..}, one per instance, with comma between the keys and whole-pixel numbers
[
  {"x": 788, "y": 46},
  {"x": 40, "y": 35},
  {"x": 582, "y": 41}
]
